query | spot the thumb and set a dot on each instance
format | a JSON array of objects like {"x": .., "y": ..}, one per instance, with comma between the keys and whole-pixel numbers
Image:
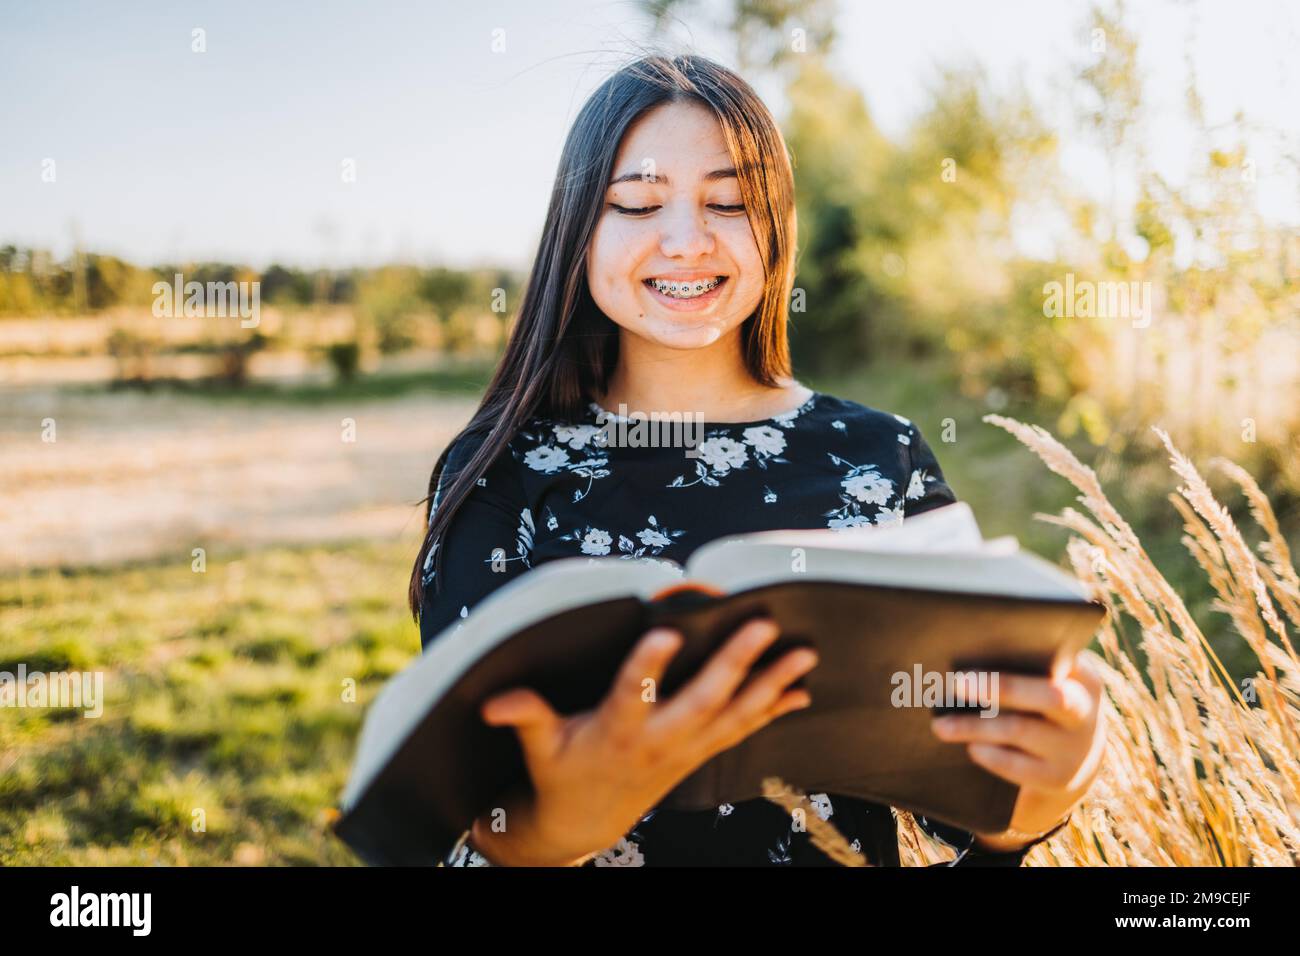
[{"x": 526, "y": 711}]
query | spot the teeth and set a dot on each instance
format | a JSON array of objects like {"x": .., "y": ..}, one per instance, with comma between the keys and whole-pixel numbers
[{"x": 685, "y": 290}]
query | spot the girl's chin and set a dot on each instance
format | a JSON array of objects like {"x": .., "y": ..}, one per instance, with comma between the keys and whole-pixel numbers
[{"x": 683, "y": 332}]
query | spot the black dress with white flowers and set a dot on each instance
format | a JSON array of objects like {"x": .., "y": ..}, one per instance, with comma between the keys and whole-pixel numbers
[{"x": 559, "y": 491}]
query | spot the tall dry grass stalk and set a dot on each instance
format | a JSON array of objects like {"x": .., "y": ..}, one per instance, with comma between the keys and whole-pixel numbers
[
  {"x": 1198, "y": 771},
  {"x": 823, "y": 835}
]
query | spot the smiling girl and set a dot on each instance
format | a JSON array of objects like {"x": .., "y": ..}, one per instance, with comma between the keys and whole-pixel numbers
[{"x": 661, "y": 286}]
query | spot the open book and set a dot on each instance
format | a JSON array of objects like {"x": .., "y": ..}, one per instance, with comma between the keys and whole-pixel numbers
[{"x": 892, "y": 611}]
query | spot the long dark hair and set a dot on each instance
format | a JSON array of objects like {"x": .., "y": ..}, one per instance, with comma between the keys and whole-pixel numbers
[{"x": 562, "y": 349}]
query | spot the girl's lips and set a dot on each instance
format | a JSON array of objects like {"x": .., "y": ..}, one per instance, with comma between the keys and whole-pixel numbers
[{"x": 696, "y": 304}]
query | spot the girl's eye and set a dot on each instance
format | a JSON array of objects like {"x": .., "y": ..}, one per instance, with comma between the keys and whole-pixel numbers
[
  {"x": 726, "y": 210},
  {"x": 632, "y": 211}
]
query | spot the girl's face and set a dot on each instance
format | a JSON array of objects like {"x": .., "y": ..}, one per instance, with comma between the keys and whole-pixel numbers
[{"x": 674, "y": 259}]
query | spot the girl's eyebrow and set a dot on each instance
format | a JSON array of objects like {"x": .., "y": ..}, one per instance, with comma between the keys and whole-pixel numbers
[{"x": 660, "y": 179}]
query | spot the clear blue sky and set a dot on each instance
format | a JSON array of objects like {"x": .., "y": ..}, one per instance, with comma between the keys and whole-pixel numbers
[{"x": 165, "y": 154}]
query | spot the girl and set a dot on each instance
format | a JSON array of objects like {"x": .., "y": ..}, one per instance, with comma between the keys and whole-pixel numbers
[{"x": 660, "y": 285}]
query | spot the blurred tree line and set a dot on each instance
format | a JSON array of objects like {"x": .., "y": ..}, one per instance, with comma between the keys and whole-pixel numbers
[
  {"x": 908, "y": 245},
  {"x": 389, "y": 309},
  {"x": 33, "y": 282}
]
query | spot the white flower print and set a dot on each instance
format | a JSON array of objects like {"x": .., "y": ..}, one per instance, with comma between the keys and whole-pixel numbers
[
  {"x": 781, "y": 854},
  {"x": 722, "y": 453},
  {"x": 769, "y": 496},
  {"x": 766, "y": 442},
  {"x": 849, "y": 521},
  {"x": 467, "y": 857},
  {"x": 839, "y": 425},
  {"x": 547, "y": 459},
  {"x": 869, "y": 486},
  {"x": 575, "y": 436},
  {"x": 428, "y": 562},
  {"x": 715, "y": 457},
  {"x": 523, "y": 543},
  {"x": 862, "y": 485},
  {"x": 591, "y": 469},
  {"x": 916, "y": 487},
  {"x": 905, "y": 421},
  {"x": 524, "y": 536},
  {"x": 904, "y": 439},
  {"x": 725, "y": 809},
  {"x": 822, "y": 804},
  {"x": 653, "y": 538},
  {"x": 596, "y": 542},
  {"x": 890, "y": 516},
  {"x": 623, "y": 853}
]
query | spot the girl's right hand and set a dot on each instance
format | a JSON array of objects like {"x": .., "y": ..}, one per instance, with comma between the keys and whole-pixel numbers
[{"x": 595, "y": 774}]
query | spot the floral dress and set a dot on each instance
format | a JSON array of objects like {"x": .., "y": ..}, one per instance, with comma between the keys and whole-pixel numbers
[{"x": 562, "y": 489}]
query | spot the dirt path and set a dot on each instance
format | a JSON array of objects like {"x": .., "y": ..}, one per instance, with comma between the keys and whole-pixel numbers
[{"x": 134, "y": 476}]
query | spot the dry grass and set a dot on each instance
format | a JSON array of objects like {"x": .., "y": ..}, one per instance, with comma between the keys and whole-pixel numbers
[
  {"x": 1199, "y": 771},
  {"x": 823, "y": 835}
]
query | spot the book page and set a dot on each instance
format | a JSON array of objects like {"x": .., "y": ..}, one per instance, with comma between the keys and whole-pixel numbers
[{"x": 941, "y": 550}]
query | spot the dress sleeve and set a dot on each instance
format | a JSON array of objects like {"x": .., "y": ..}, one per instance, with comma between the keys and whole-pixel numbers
[
  {"x": 488, "y": 544},
  {"x": 926, "y": 487}
]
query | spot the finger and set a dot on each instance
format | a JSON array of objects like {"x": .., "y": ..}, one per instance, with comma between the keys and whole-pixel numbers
[
  {"x": 796, "y": 699},
  {"x": 1032, "y": 734},
  {"x": 626, "y": 705},
  {"x": 532, "y": 717},
  {"x": 1087, "y": 671},
  {"x": 1065, "y": 701},
  {"x": 1014, "y": 765},
  {"x": 753, "y": 707},
  {"x": 705, "y": 694}
]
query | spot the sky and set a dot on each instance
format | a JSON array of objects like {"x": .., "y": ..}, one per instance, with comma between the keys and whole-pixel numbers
[{"x": 159, "y": 153}]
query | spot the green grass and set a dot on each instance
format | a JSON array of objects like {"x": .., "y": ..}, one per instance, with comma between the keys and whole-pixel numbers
[{"x": 224, "y": 694}]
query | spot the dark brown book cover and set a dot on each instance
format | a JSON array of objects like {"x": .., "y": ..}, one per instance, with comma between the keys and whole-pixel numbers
[{"x": 853, "y": 740}]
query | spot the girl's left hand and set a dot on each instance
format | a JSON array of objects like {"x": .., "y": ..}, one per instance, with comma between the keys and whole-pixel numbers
[{"x": 1048, "y": 737}]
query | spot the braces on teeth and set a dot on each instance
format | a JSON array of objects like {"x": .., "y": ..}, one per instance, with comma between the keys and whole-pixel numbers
[{"x": 685, "y": 290}]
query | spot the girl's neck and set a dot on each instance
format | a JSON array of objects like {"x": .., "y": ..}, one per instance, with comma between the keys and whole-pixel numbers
[{"x": 713, "y": 382}]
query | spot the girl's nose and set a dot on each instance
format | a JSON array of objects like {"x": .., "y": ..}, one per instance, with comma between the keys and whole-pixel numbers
[{"x": 686, "y": 234}]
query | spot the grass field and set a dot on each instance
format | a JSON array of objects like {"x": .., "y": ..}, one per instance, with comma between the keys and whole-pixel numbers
[{"x": 224, "y": 693}]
